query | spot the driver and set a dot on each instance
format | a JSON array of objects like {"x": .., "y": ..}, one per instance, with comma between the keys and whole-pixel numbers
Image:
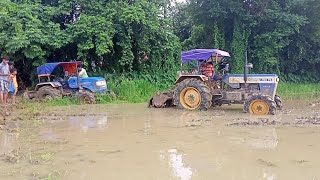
[
  {"x": 82, "y": 72},
  {"x": 208, "y": 70}
]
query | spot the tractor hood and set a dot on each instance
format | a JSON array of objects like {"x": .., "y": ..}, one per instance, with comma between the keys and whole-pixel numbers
[{"x": 94, "y": 84}]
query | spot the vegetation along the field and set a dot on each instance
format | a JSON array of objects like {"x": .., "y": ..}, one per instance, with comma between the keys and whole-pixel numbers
[{"x": 137, "y": 44}]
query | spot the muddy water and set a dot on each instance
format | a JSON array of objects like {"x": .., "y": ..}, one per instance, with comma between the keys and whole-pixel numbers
[{"x": 130, "y": 141}]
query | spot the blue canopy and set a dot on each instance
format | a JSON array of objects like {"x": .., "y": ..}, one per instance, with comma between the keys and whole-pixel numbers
[
  {"x": 46, "y": 69},
  {"x": 202, "y": 54}
]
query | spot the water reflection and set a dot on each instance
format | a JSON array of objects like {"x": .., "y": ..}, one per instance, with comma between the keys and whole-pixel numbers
[
  {"x": 269, "y": 176},
  {"x": 48, "y": 134},
  {"x": 180, "y": 170},
  {"x": 87, "y": 122},
  {"x": 7, "y": 141},
  {"x": 264, "y": 139}
]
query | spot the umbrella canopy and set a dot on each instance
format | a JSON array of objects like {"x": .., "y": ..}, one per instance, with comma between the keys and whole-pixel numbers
[
  {"x": 46, "y": 69},
  {"x": 203, "y": 54}
]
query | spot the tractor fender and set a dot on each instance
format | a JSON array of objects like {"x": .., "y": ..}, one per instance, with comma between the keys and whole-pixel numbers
[
  {"x": 52, "y": 84},
  {"x": 199, "y": 77}
]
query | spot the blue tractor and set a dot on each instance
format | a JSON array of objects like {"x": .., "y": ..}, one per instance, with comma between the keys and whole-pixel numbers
[
  {"x": 59, "y": 79},
  {"x": 201, "y": 87}
]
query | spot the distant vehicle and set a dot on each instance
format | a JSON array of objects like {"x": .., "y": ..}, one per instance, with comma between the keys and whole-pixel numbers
[{"x": 59, "y": 79}]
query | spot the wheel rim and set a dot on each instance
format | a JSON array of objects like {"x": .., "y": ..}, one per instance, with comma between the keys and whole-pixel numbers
[
  {"x": 190, "y": 98},
  {"x": 259, "y": 107}
]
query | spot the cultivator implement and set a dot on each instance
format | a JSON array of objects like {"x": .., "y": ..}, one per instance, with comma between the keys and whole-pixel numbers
[{"x": 162, "y": 99}]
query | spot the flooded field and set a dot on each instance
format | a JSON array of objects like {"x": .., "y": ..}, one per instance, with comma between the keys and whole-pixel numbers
[{"x": 131, "y": 141}]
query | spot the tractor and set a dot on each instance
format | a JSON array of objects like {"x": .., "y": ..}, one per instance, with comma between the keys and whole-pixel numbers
[
  {"x": 59, "y": 79},
  {"x": 200, "y": 87}
]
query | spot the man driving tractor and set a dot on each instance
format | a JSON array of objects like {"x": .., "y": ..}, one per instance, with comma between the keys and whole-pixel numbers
[{"x": 207, "y": 69}]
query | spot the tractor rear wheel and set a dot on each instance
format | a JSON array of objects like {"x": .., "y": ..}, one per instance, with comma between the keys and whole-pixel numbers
[
  {"x": 48, "y": 93},
  {"x": 87, "y": 97},
  {"x": 260, "y": 104},
  {"x": 278, "y": 101},
  {"x": 192, "y": 94}
]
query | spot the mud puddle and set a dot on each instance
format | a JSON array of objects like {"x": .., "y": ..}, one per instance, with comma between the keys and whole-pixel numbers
[{"x": 130, "y": 141}]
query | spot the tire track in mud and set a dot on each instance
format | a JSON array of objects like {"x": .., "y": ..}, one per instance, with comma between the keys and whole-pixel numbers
[{"x": 313, "y": 119}]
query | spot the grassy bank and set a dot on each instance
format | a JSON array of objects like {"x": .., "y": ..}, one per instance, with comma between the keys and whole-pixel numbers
[
  {"x": 130, "y": 91},
  {"x": 140, "y": 90},
  {"x": 299, "y": 91}
]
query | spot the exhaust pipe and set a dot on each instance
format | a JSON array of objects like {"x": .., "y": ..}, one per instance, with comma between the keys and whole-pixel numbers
[
  {"x": 245, "y": 77},
  {"x": 246, "y": 68}
]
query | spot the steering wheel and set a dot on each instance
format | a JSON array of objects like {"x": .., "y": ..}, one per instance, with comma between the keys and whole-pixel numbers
[{"x": 52, "y": 77}]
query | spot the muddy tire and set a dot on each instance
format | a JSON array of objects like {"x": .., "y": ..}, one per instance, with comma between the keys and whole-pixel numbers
[
  {"x": 26, "y": 96},
  {"x": 278, "y": 101},
  {"x": 87, "y": 97},
  {"x": 192, "y": 94},
  {"x": 260, "y": 104},
  {"x": 48, "y": 93}
]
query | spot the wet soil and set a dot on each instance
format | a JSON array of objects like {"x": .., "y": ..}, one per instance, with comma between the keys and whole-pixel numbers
[{"x": 132, "y": 141}]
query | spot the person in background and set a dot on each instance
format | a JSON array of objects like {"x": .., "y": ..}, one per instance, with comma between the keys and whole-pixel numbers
[
  {"x": 82, "y": 72},
  {"x": 11, "y": 65},
  {"x": 4, "y": 79},
  {"x": 14, "y": 84}
]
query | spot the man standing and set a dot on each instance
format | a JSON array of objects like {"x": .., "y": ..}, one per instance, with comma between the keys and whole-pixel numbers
[
  {"x": 82, "y": 72},
  {"x": 4, "y": 79}
]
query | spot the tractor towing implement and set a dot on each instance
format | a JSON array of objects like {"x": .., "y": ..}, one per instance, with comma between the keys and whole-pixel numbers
[{"x": 204, "y": 81}]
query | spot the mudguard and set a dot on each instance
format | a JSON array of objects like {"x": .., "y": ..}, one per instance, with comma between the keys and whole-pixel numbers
[{"x": 52, "y": 84}]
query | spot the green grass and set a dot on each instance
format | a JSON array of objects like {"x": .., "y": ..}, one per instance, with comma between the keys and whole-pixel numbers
[
  {"x": 131, "y": 91},
  {"x": 299, "y": 91},
  {"x": 64, "y": 101},
  {"x": 134, "y": 91}
]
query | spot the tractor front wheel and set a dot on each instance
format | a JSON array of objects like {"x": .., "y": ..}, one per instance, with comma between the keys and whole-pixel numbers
[
  {"x": 260, "y": 104},
  {"x": 278, "y": 101},
  {"x": 87, "y": 97},
  {"x": 192, "y": 94}
]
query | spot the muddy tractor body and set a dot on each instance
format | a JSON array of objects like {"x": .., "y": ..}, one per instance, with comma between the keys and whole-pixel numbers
[
  {"x": 66, "y": 82},
  {"x": 194, "y": 89}
]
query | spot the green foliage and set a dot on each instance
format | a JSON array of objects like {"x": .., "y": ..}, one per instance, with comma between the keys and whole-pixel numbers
[
  {"x": 280, "y": 36},
  {"x": 145, "y": 37},
  {"x": 239, "y": 46},
  {"x": 136, "y": 89},
  {"x": 66, "y": 101},
  {"x": 117, "y": 36}
]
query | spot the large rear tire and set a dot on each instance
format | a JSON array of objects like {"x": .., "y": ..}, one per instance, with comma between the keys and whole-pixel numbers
[
  {"x": 192, "y": 94},
  {"x": 48, "y": 93},
  {"x": 260, "y": 104}
]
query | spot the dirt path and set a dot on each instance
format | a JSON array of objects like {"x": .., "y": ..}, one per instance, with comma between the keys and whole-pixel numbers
[{"x": 130, "y": 141}]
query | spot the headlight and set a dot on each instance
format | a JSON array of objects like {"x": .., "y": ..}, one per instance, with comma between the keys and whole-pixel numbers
[{"x": 101, "y": 83}]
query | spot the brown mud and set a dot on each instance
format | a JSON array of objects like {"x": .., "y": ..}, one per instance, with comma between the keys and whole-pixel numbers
[{"x": 132, "y": 141}]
